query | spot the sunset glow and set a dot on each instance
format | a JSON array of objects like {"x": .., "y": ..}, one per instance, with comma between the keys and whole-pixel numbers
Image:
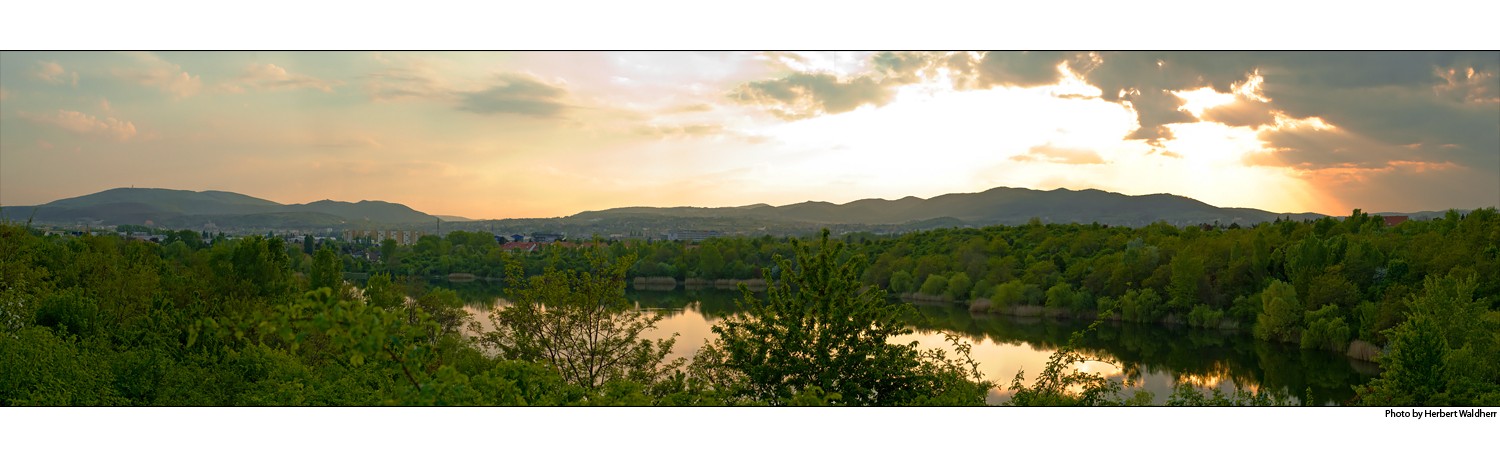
[{"x": 504, "y": 135}]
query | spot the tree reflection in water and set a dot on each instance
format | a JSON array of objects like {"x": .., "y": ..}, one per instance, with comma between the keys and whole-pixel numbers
[{"x": 1149, "y": 357}]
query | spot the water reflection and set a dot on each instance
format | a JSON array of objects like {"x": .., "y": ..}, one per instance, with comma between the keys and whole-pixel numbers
[{"x": 1153, "y": 358}]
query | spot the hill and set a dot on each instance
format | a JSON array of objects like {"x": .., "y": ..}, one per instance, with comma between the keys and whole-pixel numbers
[
  {"x": 998, "y": 206},
  {"x": 183, "y": 208},
  {"x": 1001, "y": 205}
]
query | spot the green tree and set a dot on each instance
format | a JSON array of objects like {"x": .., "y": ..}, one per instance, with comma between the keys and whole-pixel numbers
[
  {"x": 1141, "y": 305},
  {"x": 388, "y": 248},
  {"x": 959, "y": 285},
  {"x": 1281, "y": 314},
  {"x": 710, "y": 262},
  {"x": 1416, "y": 371},
  {"x": 1187, "y": 273},
  {"x": 381, "y": 292},
  {"x": 580, "y": 324},
  {"x": 1008, "y": 294},
  {"x": 935, "y": 285},
  {"x": 261, "y": 266},
  {"x": 1060, "y": 296},
  {"x": 819, "y": 329},
  {"x": 1326, "y": 329},
  {"x": 1445, "y": 353},
  {"x": 327, "y": 270},
  {"x": 444, "y": 307},
  {"x": 901, "y": 281}
]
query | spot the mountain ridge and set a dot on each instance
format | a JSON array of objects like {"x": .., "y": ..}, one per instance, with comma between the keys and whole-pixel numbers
[
  {"x": 127, "y": 205},
  {"x": 999, "y": 205}
]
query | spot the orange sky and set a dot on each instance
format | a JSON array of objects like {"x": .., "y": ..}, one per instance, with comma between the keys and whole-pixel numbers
[{"x": 502, "y": 135}]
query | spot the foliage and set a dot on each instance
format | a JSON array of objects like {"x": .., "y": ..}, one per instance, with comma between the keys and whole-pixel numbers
[
  {"x": 1326, "y": 329},
  {"x": 580, "y": 324},
  {"x": 381, "y": 292},
  {"x": 1447, "y": 352},
  {"x": 327, "y": 270},
  {"x": 1184, "y": 394},
  {"x": 1281, "y": 314},
  {"x": 192, "y": 321},
  {"x": 819, "y": 330},
  {"x": 935, "y": 285},
  {"x": 1060, "y": 383}
]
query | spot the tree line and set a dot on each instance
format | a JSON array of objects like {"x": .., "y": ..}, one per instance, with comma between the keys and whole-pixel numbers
[
  {"x": 101, "y": 320},
  {"x": 1347, "y": 285},
  {"x": 279, "y": 324}
]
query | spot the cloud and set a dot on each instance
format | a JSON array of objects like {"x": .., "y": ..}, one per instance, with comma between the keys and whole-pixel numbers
[
  {"x": 1241, "y": 113},
  {"x": 691, "y": 108},
  {"x": 4, "y": 94},
  {"x": 1436, "y": 100},
  {"x": 415, "y": 78},
  {"x": 271, "y": 78},
  {"x": 1408, "y": 186},
  {"x": 53, "y": 73},
  {"x": 403, "y": 83},
  {"x": 1468, "y": 85},
  {"x": 1021, "y": 69},
  {"x": 516, "y": 93},
  {"x": 1050, "y": 153},
  {"x": 1419, "y": 110},
  {"x": 804, "y": 95},
  {"x": 664, "y": 131},
  {"x": 153, "y": 71},
  {"x": 904, "y": 67},
  {"x": 81, "y": 123}
]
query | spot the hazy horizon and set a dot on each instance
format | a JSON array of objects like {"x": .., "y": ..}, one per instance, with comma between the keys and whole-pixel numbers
[
  {"x": 927, "y": 197},
  {"x": 546, "y": 134}
]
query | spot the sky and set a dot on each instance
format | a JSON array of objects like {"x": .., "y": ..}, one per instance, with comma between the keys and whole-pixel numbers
[{"x": 547, "y": 134}]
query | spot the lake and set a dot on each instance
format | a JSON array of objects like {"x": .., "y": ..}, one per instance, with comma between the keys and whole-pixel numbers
[{"x": 1152, "y": 357}]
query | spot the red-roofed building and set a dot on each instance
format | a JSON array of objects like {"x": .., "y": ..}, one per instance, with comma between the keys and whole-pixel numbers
[
  {"x": 515, "y": 246},
  {"x": 1391, "y": 221}
]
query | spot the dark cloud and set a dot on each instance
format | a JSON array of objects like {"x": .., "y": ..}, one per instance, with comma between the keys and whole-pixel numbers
[
  {"x": 1022, "y": 68},
  {"x": 1402, "y": 110},
  {"x": 1146, "y": 81},
  {"x": 903, "y": 67},
  {"x": 1441, "y": 106},
  {"x": 1311, "y": 148},
  {"x": 516, "y": 94},
  {"x": 1384, "y": 108},
  {"x": 804, "y": 95},
  {"x": 1243, "y": 112}
]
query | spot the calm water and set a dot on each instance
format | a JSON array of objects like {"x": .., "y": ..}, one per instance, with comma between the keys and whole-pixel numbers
[{"x": 1151, "y": 357}]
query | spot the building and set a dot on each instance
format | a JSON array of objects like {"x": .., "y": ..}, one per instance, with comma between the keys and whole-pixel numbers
[
  {"x": 542, "y": 237},
  {"x": 520, "y": 246},
  {"x": 1392, "y": 221},
  {"x": 693, "y": 236},
  {"x": 402, "y": 237}
]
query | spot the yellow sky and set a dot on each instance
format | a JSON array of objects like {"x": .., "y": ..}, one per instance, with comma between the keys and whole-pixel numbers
[{"x": 497, "y": 135}]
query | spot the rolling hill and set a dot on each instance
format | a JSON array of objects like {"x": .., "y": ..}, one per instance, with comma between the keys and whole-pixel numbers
[
  {"x": 183, "y": 208},
  {"x": 1001, "y": 205}
]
